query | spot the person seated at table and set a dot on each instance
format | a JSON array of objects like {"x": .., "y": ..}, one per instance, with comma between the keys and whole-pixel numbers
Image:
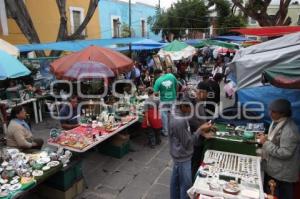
[
  {"x": 12, "y": 91},
  {"x": 69, "y": 114},
  {"x": 19, "y": 133},
  {"x": 281, "y": 150},
  {"x": 13, "y": 86}
]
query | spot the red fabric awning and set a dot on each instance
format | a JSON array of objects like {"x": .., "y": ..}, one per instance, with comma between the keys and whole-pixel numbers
[{"x": 269, "y": 31}]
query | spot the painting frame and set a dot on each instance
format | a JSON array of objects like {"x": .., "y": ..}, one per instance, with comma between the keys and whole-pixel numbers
[
  {"x": 157, "y": 62},
  {"x": 169, "y": 62}
]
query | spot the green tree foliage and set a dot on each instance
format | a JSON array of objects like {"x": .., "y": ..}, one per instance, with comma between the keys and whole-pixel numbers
[
  {"x": 185, "y": 14},
  {"x": 125, "y": 31},
  {"x": 225, "y": 18}
]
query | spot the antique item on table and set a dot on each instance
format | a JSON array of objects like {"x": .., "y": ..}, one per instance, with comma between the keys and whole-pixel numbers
[
  {"x": 45, "y": 168},
  {"x": 15, "y": 187},
  {"x": 231, "y": 187},
  {"x": 53, "y": 164},
  {"x": 3, "y": 193},
  {"x": 224, "y": 174},
  {"x": 26, "y": 180},
  {"x": 248, "y": 135},
  {"x": 37, "y": 173},
  {"x": 54, "y": 133},
  {"x": 15, "y": 181}
]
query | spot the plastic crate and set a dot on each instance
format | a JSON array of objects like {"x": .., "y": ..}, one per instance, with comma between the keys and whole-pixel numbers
[
  {"x": 114, "y": 151},
  {"x": 65, "y": 178}
]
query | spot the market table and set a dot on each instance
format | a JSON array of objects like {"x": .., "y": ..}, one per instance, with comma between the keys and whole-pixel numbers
[
  {"x": 99, "y": 139},
  {"x": 228, "y": 175},
  {"x": 21, "y": 172},
  {"x": 38, "y": 180},
  {"x": 230, "y": 143},
  {"x": 32, "y": 100}
]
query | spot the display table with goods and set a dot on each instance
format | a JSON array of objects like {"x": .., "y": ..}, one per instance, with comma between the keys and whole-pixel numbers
[
  {"x": 90, "y": 133},
  {"x": 235, "y": 139},
  {"x": 228, "y": 175},
  {"x": 18, "y": 102},
  {"x": 20, "y": 172}
]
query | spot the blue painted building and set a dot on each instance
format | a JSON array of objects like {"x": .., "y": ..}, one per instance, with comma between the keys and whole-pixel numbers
[{"x": 114, "y": 13}]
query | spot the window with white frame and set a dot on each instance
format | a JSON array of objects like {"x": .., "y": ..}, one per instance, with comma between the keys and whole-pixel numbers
[
  {"x": 76, "y": 18},
  {"x": 143, "y": 28},
  {"x": 115, "y": 26}
]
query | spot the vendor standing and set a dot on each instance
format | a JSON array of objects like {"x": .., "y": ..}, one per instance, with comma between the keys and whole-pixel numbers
[
  {"x": 281, "y": 150},
  {"x": 166, "y": 86},
  {"x": 69, "y": 114},
  {"x": 19, "y": 133}
]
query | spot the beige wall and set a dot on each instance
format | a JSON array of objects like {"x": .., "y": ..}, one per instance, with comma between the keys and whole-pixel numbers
[{"x": 45, "y": 17}]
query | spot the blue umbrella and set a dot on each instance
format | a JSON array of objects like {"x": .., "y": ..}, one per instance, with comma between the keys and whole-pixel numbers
[{"x": 10, "y": 67}]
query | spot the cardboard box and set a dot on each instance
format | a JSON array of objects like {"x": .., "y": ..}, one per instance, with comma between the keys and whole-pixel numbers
[{"x": 120, "y": 139}]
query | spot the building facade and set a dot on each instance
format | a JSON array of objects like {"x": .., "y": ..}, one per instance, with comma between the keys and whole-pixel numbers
[
  {"x": 46, "y": 19},
  {"x": 293, "y": 12},
  {"x": 114, "y": 19}
]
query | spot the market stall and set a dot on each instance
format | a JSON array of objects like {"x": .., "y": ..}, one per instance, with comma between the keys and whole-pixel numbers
[
  {"x": 228, "y": 175},
  {"x": 87, "y": 136},
  {"x": 241, "y": 137},
  {"x": 21, "y": 172}
]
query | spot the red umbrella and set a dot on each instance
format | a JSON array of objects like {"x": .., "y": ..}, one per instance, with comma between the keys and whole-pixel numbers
[{"x": 116, "y": 61}]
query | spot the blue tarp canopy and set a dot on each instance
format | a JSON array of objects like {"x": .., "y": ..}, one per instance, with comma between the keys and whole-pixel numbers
[
  {"x": 145, "y": 44},
  {"x": 78, "y": 45},
  {"x": 230, "y": 38},
  {"x": 266, "y": 94},
  {"x": 10, "y": 67},
  {"x": 193, "y": 42}
]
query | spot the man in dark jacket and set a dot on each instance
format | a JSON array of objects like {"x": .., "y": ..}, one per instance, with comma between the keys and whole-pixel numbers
[
  {"x": 198, "y": 119},
  {"x": 182, "y": 142},
  {"x": 213, "y": 95}
]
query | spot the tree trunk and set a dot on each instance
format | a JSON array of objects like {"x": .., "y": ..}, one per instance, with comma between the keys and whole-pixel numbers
[
  {"x": 20, "y": 14},
  {"x": 63, "y": 32}
]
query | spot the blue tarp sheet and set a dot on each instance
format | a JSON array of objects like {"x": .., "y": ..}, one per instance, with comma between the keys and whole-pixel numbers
[
  {"x": 145, "y": 44},
  {"x": 80, "y": 44},
  {"x": 266, "y": 94},
  {"x": 230, "y": 38},
  {"x": 192, "y": 42}
]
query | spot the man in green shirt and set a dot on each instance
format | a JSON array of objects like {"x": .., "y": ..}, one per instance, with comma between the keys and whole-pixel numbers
[{"x": 166, "y": 86}]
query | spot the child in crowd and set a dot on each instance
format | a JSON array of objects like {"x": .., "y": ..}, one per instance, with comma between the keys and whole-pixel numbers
[{"x": 152, "y": 121}]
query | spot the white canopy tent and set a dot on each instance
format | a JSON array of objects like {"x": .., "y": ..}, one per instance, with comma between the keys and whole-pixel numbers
[
  {"x": 9, "y": 48},
  {"x": 249, "y": 63}
]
